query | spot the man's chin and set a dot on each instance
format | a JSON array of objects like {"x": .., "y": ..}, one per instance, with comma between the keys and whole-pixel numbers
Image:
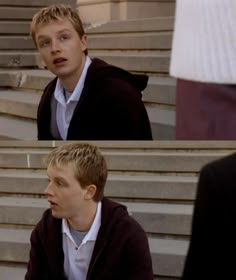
[{"x": 56, "y": 214}]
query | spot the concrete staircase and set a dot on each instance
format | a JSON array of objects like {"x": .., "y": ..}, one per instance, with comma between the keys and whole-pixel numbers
[
  {"x": 156, "y": 180},
  {"x": 138, "y": 45}
]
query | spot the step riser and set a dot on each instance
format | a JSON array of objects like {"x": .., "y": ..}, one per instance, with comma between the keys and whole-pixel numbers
[
  {"x": 20, "y": 60},
  {"x": 138, "y": 42},
  {"x": 97, "y": 11},
  {"x": 12, "y": 271},
  {"x": 159, "y": 94},
  {"x": 119, "y": 162},
  {"x": 120, "y": 189},
  {"x": 160, "y": 223},
  {"x": 147, "y": 25},
  {"x": 169, "y": 265},
  {"x": 14, "y": 252},
  {"x": 152, "y": 24},
  {"x": 162, "y": 131},
  {"x": 18, "y": 109},
  {"x": 147, "y": 63},
  {"x": 162, "y": 263},
  {"x": 162, "y": 93},
  {"x": 21, "y": 28},
  {"x": 17, "y": 129},
  {"x": 30, "y": 3},
  {"x": 17, "y": 13}
]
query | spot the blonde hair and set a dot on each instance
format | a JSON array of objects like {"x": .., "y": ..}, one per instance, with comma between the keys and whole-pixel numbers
[
  {"x": 89, "y": 164},
  {"x": 57, "y": 12}
]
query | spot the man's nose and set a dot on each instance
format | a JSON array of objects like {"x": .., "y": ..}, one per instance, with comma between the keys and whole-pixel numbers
[
  {"x": 48, "y": 190},
  {"x": 55, "y": 46}
]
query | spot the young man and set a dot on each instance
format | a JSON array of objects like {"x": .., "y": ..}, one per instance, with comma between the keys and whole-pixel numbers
[
  {"x": 84, "y": 235},
  {"x": 212, "y": 247},
  {"x": 89, "y": 99}
]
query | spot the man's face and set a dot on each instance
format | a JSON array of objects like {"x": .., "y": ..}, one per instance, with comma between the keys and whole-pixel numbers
[
  {"x": 61, "y": 48},
  {"x": 64, "y": 193}
]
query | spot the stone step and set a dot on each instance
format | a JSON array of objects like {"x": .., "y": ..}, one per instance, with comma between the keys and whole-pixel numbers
[
  {"x": 122, "y": 26},
  {"x": 162, "y": 119},
  {"x": 167, "y": 255},
  {"x": 17, "y": 13},
  {"x": 155, "y": 218},
  {"x": 16, "y": 59},
  {"x": 100, "y": 11},
  {"x": 208, "y": 147},
  {"x": 160, "y": 90},
  {"x": 163, "y": 23},
  {"x": 18, "y": 103},
  {"x": 12, "y": 271},
  {"x": 128, "y": 161},
  {"x": 16, "y": 43},
  {"x": 145, "y": 61},
  {"x": 137, "y": 41},
  {"x": 14, "y": 27},
  {"x": 126, "y": 186},
  {"x": 32, "y": 79},
  {"x": 30, "y": 3},
  {"x": 13, "y": 128}
]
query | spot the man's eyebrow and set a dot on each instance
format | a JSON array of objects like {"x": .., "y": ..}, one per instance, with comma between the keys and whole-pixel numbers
[
  {"x": 42, "y": 36},
  {"x": 57, "y": 177},
  {"x": 58, "y": 32}
]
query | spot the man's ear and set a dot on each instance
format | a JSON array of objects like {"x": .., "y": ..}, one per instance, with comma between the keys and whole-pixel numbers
[
  {"x": 84, "y": 42},
  {"x": 90, "y": 192}
]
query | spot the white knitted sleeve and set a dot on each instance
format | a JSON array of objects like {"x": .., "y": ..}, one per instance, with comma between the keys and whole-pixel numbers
[{"x": 204, "y": 41}]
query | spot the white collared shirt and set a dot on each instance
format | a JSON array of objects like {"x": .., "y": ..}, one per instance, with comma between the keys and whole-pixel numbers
[
  {"x": 65, "y": 108},
  {"x": 77, "y": 259}
]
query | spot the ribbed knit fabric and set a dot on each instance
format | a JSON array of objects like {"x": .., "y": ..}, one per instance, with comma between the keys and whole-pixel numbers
[{"x": 204, "y": 41}]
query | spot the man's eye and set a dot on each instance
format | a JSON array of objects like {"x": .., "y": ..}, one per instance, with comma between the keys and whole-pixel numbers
[
  {"x": 64, "y": 37},
  {"x": 60, "y": 183},
  {"x": 43, "y": 44}
]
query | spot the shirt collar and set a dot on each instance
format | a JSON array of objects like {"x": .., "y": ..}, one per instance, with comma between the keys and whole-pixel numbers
[
  {"x": 93, "y": 231},
  {"x": 59, "y": 90}
]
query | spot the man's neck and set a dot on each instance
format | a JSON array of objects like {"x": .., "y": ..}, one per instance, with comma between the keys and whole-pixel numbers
[
  {"x": 69, "y": 82},
  {"x": 85, "y": 219}
]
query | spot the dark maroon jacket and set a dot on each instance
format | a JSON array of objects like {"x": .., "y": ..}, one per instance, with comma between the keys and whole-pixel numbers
[
  {"x": 121, "y": 250},
  {"x": 110, "y": 107}
]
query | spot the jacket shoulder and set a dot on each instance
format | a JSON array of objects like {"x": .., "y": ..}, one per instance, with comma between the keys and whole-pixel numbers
[
  {"x": 100, "y": 71},
  {"x": 222, "y": 165}
]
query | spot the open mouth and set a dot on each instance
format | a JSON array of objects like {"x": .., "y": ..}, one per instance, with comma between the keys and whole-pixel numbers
[
  {"x": 59, "y": 61},
  {"x": 52, "y": 204}
]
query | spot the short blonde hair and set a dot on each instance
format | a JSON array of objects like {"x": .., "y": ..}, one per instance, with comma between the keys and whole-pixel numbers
[
  {"x": 56, "y": 12},
  {"x": 90, "y": 165}
]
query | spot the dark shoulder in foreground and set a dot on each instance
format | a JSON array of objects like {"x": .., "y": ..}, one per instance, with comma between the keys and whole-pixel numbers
[{"x": 224, "y": 164}]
